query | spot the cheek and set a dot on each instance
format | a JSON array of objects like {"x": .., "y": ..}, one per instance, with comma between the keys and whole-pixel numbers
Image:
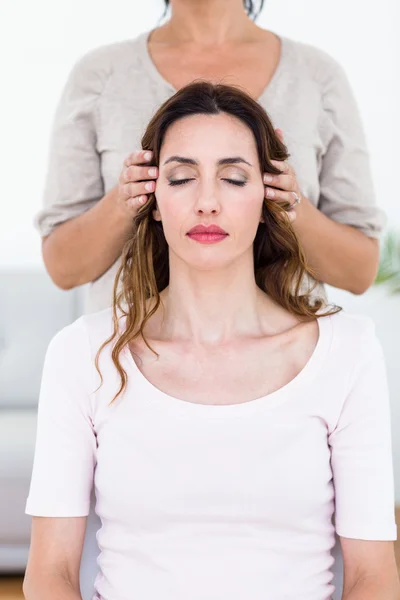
[
  {"x": 249, "y": 205},
  {"x": 173, "y": 210}
]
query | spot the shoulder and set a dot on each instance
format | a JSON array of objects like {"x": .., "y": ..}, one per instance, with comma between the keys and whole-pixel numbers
[
  {"x": 349, "y": 327},
  {"x": 315, "y": 63},
  {"x": 102, "y": 61},
  {"x": 69, "y": 344},
  {"x": 354, "y": 340},
  {"x": 73, "y": 349},
  {"x": 84, "y": 332}
]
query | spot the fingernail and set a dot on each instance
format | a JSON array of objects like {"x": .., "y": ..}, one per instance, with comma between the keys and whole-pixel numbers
[
  {"x": 147, "y": 155},
  {"x": 267, "y": 178},
  {"x": 270, "y": 193},
  {"x": 142, "y": 199},
  {"x": 152, "y": 171},
  {"x": 149, "y": 186}
]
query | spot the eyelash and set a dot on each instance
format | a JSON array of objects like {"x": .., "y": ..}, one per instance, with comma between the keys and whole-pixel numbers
[{"x": 182, "y": 181}]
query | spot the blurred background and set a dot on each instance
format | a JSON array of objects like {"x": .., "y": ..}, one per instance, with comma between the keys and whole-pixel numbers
[{"x": 40, "y": 41}]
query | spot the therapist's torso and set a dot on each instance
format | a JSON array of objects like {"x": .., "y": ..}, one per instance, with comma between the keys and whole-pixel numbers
[{"x": 114, "y": 91}]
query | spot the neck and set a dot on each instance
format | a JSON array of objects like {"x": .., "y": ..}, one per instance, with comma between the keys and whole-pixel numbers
[
  {"x": 208, "y": 22},
  {"x": 210, "y": 308}
]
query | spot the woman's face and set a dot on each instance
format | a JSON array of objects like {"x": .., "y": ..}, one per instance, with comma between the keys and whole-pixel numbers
[{"x": 209, "y": 174}]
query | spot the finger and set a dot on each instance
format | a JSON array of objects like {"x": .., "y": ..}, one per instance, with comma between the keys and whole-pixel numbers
[
  {"x": 289, "y": 214},
  {"x": 283, "y": 182},
  {"x": 279, "y": 133},
  {"x": 138, "y": 157},
  {"x": 280, "y": 195},
  {"x": 133, "y": 189},
  {"x": 292, "y": 215},
  {"x": 282, "y": 165},
  {"x": 135, "y": 173},
  {"x": 137, "y": 201}
]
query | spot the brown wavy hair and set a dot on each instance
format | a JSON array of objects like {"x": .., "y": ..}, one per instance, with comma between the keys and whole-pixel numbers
[{"x": 279, "y": 262}]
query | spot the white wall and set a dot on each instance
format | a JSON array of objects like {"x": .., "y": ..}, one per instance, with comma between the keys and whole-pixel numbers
[{"x": 41, "y": 39}]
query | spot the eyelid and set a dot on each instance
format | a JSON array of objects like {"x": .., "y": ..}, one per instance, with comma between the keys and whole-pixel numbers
[{"x": 182, "y": 181}]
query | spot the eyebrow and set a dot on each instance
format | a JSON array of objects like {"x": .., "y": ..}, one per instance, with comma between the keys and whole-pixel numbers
[{"x": 222, "y": 161}]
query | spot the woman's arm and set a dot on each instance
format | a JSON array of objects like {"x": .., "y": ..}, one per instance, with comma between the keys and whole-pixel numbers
[
  {"x": 84, "y": 247},
  {"x": 83, "y": 228},
  {"x": 341, "y": 255},
  {"x": 370, "y": 571},
  {"x": 63, "y": 467},
  {"x": 339, "y": 236},
  {"x": 373, "y": 589},
  {"x": 360, "y": 442},
  {"x": 54, "y": 559}
]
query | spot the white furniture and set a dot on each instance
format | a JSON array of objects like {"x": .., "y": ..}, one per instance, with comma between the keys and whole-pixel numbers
[{"x": 32, "y": 310}]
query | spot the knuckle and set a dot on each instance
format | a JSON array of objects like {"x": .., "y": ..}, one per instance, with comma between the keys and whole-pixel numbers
[
  {"x": 128, "y": 189},
  {"x": 141, "y": 173},
  {"x": 127, "y": 174}
]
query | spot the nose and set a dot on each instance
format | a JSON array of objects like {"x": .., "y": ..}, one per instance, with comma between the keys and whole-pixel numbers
[{"x": 207, "y": 201}]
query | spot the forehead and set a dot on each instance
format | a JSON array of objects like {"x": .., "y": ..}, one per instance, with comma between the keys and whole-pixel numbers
[{"x": 216, "y": 135}]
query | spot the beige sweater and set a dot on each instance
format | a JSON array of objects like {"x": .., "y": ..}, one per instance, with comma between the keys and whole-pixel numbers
[{"x": 113, "y": 91}]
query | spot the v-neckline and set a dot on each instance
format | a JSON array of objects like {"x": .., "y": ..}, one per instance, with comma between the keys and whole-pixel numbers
[{"x": 156, "y": 75}]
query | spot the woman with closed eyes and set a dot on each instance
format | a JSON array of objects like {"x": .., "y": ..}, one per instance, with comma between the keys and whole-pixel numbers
[
  {"x": 98, "y": 177},
  {"x": 223, "y": 414}
]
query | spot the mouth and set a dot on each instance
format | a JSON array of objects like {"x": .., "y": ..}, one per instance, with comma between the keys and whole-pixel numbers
[
  {"x": 207, "y": 234},
  {"x": 207, "y": 229},
  {"x": 207, "y": 238}
]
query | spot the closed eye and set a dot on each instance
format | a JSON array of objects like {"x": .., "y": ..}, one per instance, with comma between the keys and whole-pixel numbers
[
  {"x": 182, "y": 181},
  {"x": 178, "y": 181}
]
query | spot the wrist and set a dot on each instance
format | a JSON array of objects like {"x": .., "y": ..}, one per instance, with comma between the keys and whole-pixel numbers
[
  {"x": 119, "y": 215},
  {"x": 119, "y": 209}
]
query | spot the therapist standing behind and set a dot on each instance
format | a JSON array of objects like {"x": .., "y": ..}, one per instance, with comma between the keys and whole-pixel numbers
[{"x": 95, "y": 180}]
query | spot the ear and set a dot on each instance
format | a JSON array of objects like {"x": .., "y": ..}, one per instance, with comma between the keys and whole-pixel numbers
[{"x": 156, "y": 214}]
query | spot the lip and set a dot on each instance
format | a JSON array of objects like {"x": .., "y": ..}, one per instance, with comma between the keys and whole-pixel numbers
[{"x": 206, "y": 229}]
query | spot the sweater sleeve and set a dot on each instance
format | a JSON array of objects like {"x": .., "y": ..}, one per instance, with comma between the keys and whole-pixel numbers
[
  {"x": 73, "y": 182},
  {"x": 65, "y": 451},
  {"x": 361, "y": 450},
  {"x": 347, "y": 192}
]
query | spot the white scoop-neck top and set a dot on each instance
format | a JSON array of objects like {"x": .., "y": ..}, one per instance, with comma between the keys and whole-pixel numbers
[
  {"x": 311, "y": 369},
  {"x": 209, "y": 501}
]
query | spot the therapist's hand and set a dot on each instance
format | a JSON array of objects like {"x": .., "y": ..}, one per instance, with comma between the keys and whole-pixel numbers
[
  {"x": 283, "y": 187},
  {"x": 136, "y": 180}
]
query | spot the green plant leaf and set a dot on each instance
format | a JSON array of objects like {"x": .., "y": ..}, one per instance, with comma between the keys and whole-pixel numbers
[{"x": 389, "y": 264}]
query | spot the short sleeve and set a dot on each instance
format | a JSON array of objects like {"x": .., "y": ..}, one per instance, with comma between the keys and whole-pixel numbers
[
  {"x": 73, "y": 182},
  {"x": 347, "y": 192},
  {"x": 361, "y": 450},
  {"x": 65, "y": 451}
]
